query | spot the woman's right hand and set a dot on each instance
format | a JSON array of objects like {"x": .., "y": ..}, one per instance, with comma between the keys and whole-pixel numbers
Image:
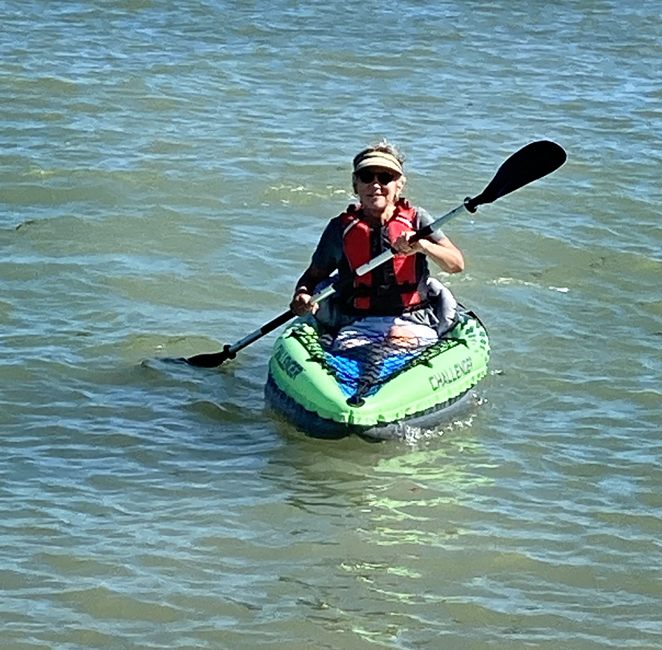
[{"x": 301, "y": 304}]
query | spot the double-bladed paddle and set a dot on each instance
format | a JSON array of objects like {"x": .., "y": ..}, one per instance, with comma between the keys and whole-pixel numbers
[{"x": 533, "y": 161}]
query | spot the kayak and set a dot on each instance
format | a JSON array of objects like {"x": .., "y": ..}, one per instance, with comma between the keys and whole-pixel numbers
[{"x": 375, "y": 390}]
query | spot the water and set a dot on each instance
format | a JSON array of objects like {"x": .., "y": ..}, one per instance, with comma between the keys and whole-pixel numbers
[{"x": 165, "y": 171}]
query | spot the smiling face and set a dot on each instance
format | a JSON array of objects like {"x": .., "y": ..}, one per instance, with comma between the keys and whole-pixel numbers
[{"x": 378, "y": 189}]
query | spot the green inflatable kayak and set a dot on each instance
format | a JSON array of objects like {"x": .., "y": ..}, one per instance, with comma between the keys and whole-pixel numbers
[{"x": 375, "y": 391}]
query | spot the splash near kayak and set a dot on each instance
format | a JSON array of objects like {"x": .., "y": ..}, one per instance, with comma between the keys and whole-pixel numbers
[{"x": 371, "y": 388}]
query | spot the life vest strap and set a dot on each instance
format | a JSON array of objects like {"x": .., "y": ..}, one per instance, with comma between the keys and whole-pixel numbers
[{"x": 394, "y": 286}]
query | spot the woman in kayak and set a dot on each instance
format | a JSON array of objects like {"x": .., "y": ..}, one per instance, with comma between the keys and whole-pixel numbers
[{"x": 398, "y": 300}]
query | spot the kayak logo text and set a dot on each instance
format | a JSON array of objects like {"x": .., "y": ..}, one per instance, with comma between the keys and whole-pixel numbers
[
  {"x": 449, "y": 375},
  {"x": 289, "y": 366}
]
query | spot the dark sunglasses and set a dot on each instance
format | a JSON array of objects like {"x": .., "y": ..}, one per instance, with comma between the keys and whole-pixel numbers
[{"x": 368, "y": 176}]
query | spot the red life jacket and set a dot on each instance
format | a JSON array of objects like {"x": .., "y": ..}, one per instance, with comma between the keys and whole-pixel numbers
[{"x": 397, "y": 285}]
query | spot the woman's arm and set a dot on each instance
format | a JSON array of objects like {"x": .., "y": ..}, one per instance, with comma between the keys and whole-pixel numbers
[
  {"x": 444, "y": 253},
  {"x": 305, "y": 287},
  {"x": 325, "y": 261},
  {"x": 437, "y": 247}
]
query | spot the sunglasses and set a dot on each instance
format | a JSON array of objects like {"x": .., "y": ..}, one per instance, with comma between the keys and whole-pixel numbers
[{"x": 367, "y": 176}]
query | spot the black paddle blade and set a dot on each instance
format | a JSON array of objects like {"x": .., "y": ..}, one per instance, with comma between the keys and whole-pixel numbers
[
  {"x": 211, "y": 360},
  {"x": 528, "y": 164}
]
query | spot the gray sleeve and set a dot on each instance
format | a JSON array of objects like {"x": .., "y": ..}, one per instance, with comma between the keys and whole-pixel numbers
[{"x": 425, "y": 219}]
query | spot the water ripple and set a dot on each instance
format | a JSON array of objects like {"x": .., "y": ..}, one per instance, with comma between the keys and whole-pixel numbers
[{"x": 166, "y": 169}]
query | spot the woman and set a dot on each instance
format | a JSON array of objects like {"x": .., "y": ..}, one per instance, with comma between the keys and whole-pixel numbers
[{"x": 398, "y": 300}]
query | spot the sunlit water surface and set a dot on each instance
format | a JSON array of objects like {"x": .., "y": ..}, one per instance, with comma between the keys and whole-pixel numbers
[{"x": 166, "y": 170}]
